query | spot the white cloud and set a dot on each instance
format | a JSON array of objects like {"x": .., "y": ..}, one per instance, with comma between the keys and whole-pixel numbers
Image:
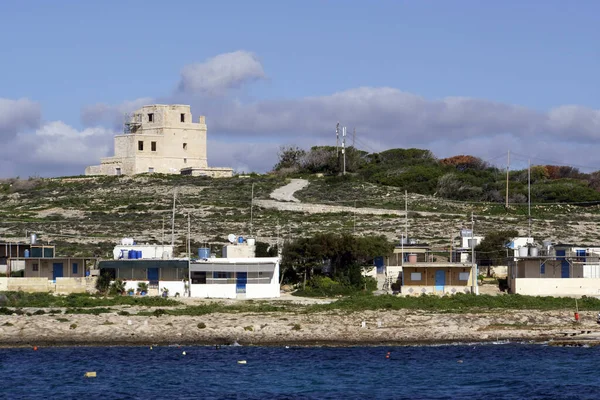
[
  {"x": 18, "y": 115},
  {"x": 221, "y": 73},
  {"x": 56, "y": 149}
]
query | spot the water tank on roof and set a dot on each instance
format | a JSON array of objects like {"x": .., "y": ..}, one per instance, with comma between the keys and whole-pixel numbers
[
  {"x": 466, "y": 233},
  {"x": 523, "y": 251},
  {"x": 240, "y": 239},
  {"x": 26, "y": 253},
  {"x": 33, "y": 238},
  {"x": 203, "y": 253},
  {"x": 250, "y": 241},
  {"x": 533, "y": 251}
]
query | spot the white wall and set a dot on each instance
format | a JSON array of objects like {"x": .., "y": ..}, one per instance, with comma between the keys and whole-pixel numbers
[
  {"x": 557, "y": 286},
  {"x": 223, "y": 291},
  {"x": 173, "y": 286},
  {"x": 262, "y": 291}
]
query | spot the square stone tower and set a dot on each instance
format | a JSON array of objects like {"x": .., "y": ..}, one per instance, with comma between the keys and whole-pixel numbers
[{"x": 159, "y": 138}]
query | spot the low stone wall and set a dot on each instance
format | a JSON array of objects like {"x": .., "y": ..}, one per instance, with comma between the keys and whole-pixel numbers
[
  {"x": 70, "y": 285},
  {"x": 32, "y": 285},
  {"x": 419, "y": 290},
  {"x": 44, "y": 285}
]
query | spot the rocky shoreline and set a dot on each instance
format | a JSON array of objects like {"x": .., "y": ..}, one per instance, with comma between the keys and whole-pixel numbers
[{"x": 401, "y": 327}]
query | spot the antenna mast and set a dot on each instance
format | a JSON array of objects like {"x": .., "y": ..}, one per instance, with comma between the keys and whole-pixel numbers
[
  {"x": 353, "y": 136},
  {"x": 344, "y": 149},
  {"x": 337, "y": 140}
]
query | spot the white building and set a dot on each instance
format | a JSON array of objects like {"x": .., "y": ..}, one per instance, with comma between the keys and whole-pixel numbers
[
  {"x": 246, "y": 278},
  {"x": 163, "y": 139}
]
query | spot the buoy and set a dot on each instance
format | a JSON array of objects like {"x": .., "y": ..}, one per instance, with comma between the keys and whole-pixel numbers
[
  {"x": 242, "y": 362},
  {"x": 387, "y": 355},
  {"x": 91, "y": 374},
  {"x": 34, "y": 348},
  {"x": 183, "y": 353},
  {"x": 150, "y": 347},
  {"x": 459, "y": 361}
]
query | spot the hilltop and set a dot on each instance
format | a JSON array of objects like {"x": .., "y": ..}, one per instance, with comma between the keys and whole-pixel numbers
[{"x": 88, "y": 215}]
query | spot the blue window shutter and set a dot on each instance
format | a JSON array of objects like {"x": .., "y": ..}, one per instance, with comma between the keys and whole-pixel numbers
[{"x": 74, "y": 268}]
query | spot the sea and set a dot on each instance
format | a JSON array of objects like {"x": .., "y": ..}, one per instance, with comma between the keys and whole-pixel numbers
[{"x": 455, "y": 371}]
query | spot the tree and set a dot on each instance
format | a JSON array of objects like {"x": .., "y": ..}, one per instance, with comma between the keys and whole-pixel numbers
[
  {"x": 492, "y": 249},
  {"x": 347, "y": 255},
  {"x": 289, "y": 157}
]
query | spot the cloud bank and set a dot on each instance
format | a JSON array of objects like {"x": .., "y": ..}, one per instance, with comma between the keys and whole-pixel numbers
[{"x": 247, "y": 135}]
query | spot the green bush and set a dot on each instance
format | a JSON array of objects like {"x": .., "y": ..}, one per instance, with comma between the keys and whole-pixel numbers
[{"x": 201, "y": 325}]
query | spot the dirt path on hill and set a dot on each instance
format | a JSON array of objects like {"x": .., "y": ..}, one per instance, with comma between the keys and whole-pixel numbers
[
  {"x": 285, "y": 201},
  {"x": 286, "y": 193}
]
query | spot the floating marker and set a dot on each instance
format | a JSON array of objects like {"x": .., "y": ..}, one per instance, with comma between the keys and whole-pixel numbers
[
  {"x": 460, "y": 361},
  {"x": 150, "y": 347},
  {"x": 35, "y": 348},
  {"x": 183, "y": 353},
  {"x": 91, "y": 374},
  {"x": 242, "y": 362}
]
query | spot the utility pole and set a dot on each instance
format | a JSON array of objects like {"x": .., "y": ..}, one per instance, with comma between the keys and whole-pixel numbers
[
  {"x": 173, "y": 219},
  {"x": 354, "y": 230},
  {"x": 251, "y": 211},
  {"x": 344, "y": 149},
  {"x": 473, "y": 268},
  {"x": 529, "y": 198},
  {"x": 189, "y": 257},
  {"x": 507, "y": 168},
  {"x": 406, "y": 214},
  {"x": 163, "y": 234}
]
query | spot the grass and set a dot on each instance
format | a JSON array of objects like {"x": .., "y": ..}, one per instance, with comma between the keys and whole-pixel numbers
[
  {"x": 457, "y": 303},
  {"x": 83, "y": 300}
]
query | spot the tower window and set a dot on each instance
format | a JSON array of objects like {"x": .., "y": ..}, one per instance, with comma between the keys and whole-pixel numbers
[
  {"x": 185, "y": 146},
  {"x": 117, "y": 171},
  {"x": 182, "y": 117},
  {"x": 185, "y": 160},
  {"x": 151, "y": 117},
  {"x": 140, "y": 145},
  {"x": 153, "y": 146},
  {"x": 151, "y": 170}
]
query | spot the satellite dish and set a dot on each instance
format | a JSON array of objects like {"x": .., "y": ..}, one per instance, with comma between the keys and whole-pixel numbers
[{"x": 231, "y": 238}]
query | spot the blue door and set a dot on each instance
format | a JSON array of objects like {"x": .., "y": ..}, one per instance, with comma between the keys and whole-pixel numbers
[
  {"x": 564, "y": 264},
  {"x": 153, "y": 276},
  {"x": 440, "y": 280},
  {"x": 240, "y": 285},
  {"x": 57, "y": 270},
  {"x": 379, "y": 263}
]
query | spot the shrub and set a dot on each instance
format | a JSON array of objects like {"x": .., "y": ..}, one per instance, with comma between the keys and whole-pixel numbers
[
  {"x": 73, "y": 326},
  {"x": 201, "y": 325},
  {"x": 249, "y": 328},
  {"x": 296, "y": 327}
]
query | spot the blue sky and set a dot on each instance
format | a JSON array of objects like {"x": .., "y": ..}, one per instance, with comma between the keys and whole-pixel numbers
[{"x": 474, "y": 77}]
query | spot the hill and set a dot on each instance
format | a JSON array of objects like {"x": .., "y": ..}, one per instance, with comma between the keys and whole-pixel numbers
[{"x": 88, "y": 215}]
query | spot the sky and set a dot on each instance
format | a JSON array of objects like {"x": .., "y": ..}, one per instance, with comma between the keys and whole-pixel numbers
[{"x": 454, "y": 76}]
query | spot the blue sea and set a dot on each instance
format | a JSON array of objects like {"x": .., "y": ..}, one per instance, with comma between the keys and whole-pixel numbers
[{"x": 479, "y": 371}]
